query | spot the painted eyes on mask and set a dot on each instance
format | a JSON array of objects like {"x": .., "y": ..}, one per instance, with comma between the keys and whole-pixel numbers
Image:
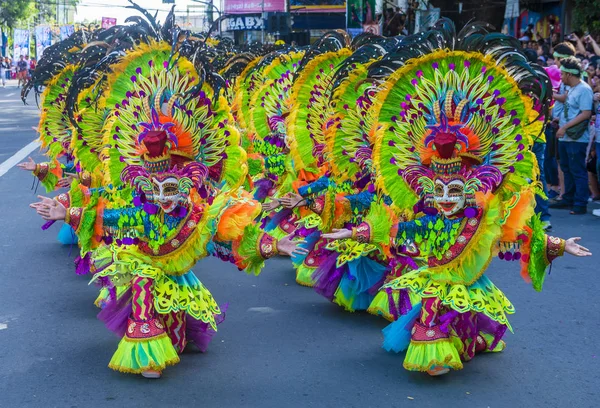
[
  {"x": 453, "y": 191},
  {"x": 169, "y": 189}
]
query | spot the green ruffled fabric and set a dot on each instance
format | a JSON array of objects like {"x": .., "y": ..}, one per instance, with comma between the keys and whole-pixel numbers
[
  {"x": 85, "y": 233},
  {"x": 378, "y": 218},
  {"x": 76, "y": 195},
  {"x": 49, "y": 182},
  {"x": 424, "y": 356},
  {"x": 538, "y": 262},
  {"x": 136, "y": 356},
  {"x": 247, "y": 252}
]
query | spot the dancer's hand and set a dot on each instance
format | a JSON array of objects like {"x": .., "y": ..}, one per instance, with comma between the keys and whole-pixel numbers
[
  {"x": 65, "y": 182},
  {"x": 271, "y": 205},
  {"x": 49, "y": 209},
  {"x": 29, "y": 165},
  {"x": 573, "y": 248},
  {"x": 291, "y": 200},
  {"x": 285, "y": 246},
  {"x": 338, "y": 234},
  {"x": 47, "y": 201}
]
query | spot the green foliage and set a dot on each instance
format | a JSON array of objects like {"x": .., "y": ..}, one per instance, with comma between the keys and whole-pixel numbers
[
  {"x": 586, "y": 16},
  {"x": 13, "y": 11}
]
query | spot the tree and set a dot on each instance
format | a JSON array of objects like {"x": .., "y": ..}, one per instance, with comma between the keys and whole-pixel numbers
[
  {"x": 12, "y": 11},
  {"x": 586, "y": 16}
]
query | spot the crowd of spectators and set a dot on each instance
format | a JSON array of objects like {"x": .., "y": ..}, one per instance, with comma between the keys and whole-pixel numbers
[
  {"x": 568, "y": 157},
  {"x": 19, "y": 69}
]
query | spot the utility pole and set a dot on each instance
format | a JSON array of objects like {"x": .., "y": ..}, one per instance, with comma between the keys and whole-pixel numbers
[
  {"x": 262, "y": 15},
  {"x": 563, "y": 19},
  {"x": 212, "y": 7}
]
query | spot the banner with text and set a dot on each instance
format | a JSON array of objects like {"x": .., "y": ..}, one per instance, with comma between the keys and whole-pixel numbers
[
  {"x": 20, "y": 43},
  {"x": 43, "y": 40},
  {"x": 318, "y": 6},
  {"x": 253, "y": 6},
  {"x": 66, "y": 31}
]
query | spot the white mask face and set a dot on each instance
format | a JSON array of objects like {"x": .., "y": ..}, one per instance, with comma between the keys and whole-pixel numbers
[
  {"x": 166, "y": 193},
  {"x": 450, "y": 198}
]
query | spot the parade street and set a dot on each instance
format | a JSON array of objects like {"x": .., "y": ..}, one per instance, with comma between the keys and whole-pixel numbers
[{"x": 281, "y": 345}]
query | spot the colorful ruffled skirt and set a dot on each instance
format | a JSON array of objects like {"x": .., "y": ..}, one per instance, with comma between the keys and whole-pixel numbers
[
  {"x": 446, "y": 324},
  {"x": 347, "y": 275},
  {"x": 156, "y": 316}
]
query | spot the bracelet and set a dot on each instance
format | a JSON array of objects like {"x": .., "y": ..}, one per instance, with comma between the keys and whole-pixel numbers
[
  {"x": 362, "y": 233},
  {"x": 267, "y": 246},
  {"x": 86, "y": 178},
  {"x": 555, "y": 247},
  {"x": 64, "y": 199},
  {"x": 41, "y": 170}
]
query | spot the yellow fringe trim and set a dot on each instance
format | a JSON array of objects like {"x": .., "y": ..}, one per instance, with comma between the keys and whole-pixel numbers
[
  {"x": 153, "y": 367},
  {"x": 434, "y": 363}
]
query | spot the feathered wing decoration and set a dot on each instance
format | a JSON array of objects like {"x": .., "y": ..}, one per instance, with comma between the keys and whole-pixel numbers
[
  {"x": 269, "y": 67},
  {"x": 349, "y": 150},
  {"x": 475, "y": 95},
  {"x": 87, "y": 137},
  {"x": 348, "y": 139},
  {"x": 243, "y": 88},
  {"x": 153, "y": 89},
  {"x": 311, "y": 110},
  {"x": 55, "y": 127},
  {"x": 270, "y": 103}
]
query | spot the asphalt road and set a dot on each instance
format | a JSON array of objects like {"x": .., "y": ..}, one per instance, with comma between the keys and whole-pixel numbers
[{"x": 281, "y": 345}]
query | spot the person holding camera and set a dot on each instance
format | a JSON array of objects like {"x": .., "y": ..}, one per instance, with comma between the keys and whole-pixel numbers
[{"x": 573, "y": 135}]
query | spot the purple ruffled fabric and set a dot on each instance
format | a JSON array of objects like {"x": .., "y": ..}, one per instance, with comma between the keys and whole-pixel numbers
[
  {"x": 201, "y": 333},
  {"x": 489, "y": 326},
  {"x": 327, "y": 277},
  {"x": 116, "y": 312},
  {"x": 262, "y": 188},
  {"x": 403, "y": 306},
  {"x": 82, "y": 265},
  {"x": 277, "y": 218}
]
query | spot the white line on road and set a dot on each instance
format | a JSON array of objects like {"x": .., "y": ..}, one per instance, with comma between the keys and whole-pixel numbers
[
  {"x": 10, "y": 94},
  {"x": 262, "y": 309},
  {"x": 18, "y": 157}
]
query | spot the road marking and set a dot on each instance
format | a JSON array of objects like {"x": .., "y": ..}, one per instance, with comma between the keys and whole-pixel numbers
[
  {"x": 18, "y": 157},
  {"x": 3, "y": 326},
  {"x": 10, "y": 94},
  {"x": 262, "y": 310}
]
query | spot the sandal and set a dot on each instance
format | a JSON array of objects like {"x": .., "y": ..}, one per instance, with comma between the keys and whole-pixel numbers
[
  {"x": 151, "y": 374},
  {"x": 438, "y": 370}
]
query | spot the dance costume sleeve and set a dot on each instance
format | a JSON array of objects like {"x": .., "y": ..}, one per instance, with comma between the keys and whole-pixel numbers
[
  {"x": 382, "y": 225},
  {"x": 90, "y": 221},
  {"x": 337, "y": 209},
  {"x": 253, "y": 248},
  {"x": 48, "y": 174},
  {"x": 315, "y": 187},
  {"x": 238, "y": 237},
  {"x": 538, "y": 251}
]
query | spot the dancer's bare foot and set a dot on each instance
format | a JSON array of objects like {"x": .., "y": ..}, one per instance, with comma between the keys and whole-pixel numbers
[
  {"x": 151, "y": 374},
  {"x": 435, "y": 371}
]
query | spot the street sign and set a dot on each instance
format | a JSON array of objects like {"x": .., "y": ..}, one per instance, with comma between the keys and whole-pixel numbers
[{"x": 244, "y": 23}]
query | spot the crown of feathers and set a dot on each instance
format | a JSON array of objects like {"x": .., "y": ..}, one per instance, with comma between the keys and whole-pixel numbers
[{"x": 450, "y": 102}]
